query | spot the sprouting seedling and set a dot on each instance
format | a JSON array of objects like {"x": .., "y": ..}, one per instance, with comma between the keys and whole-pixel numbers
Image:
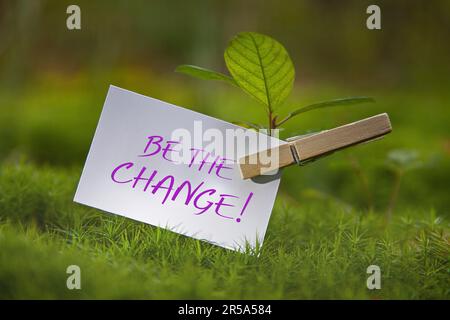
[
  {"x": 400, "y": 161},
  {"x": 261, "y": 67}
]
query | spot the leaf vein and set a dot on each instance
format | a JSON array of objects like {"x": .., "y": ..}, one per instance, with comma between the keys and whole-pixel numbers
[
  {"x": 269, "y": 104},
  {"x": 243, "y": 67}
]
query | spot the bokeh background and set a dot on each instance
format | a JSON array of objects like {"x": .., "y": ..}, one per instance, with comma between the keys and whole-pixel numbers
[{"x": 53, "y": 82}]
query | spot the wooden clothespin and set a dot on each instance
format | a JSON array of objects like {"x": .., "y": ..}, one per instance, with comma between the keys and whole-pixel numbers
[{"x": 307, "y": 148}]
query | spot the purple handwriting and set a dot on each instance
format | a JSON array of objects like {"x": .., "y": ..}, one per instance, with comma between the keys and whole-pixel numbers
[
  {"x": 156, "y": 146},
  {"x": 201, "y": 197}
]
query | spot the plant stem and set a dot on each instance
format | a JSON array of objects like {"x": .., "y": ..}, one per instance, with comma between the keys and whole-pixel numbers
[
  {"x": 284, "y": 120},
  {"x": 363, "y": 179},
  {"x": 270, "y": 122}
]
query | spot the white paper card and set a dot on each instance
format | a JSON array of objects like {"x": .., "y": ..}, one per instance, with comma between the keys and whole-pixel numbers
[{"x": 130, "y": 171}]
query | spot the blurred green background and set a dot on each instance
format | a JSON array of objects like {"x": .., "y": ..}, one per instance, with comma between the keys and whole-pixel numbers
[{"x": 53, "y": 82}]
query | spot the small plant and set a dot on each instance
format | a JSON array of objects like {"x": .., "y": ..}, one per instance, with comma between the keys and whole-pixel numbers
[
  {"x": 399, "y": 162},
  {"x": 261, "y": 67}
]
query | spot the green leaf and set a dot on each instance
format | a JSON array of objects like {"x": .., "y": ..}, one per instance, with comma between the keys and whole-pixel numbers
[
  {"x": 204, "y": 74},
  {"x": 261, "y": 66},
  {"x": 326, "y": 104},
  {"x": 247, "y": 124},
  {"x": 404, "y": 159}
]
